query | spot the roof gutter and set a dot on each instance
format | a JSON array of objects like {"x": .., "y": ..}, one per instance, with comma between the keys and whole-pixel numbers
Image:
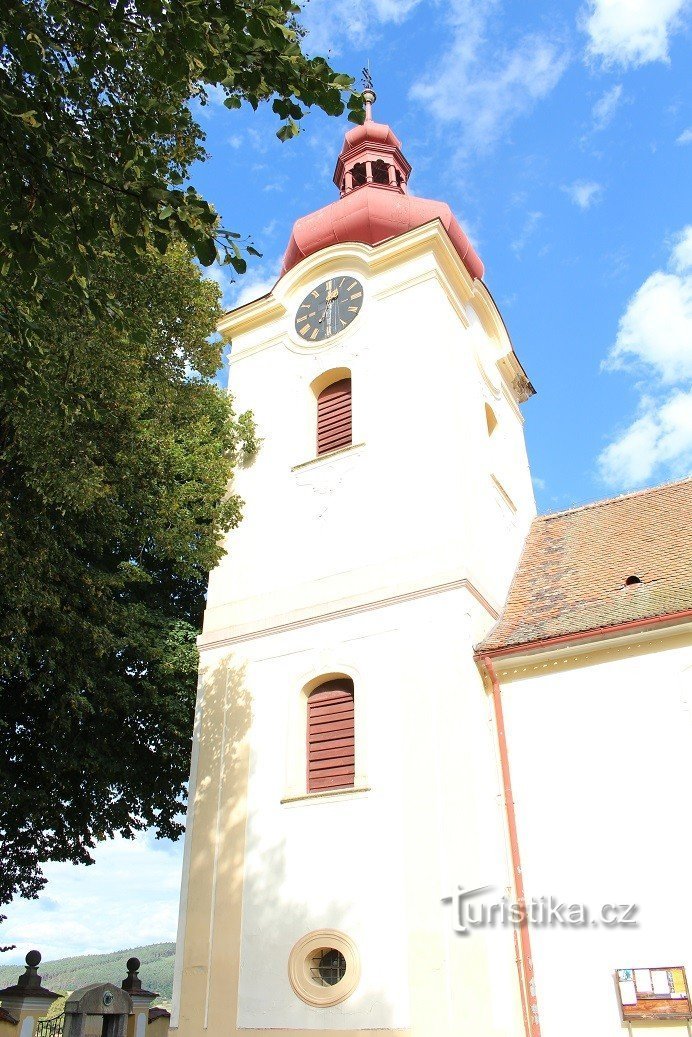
[
  {"x": 593, "y": 634},
  {"x": 527, "y": 984}
]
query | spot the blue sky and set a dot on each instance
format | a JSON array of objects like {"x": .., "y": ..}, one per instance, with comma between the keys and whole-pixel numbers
[{"x": 561, "y": 135}]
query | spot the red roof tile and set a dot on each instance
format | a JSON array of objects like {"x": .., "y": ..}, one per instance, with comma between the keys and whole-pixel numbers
[
  {"x": 571, "y": 575},
  {"x": 158, "y": 1013}
]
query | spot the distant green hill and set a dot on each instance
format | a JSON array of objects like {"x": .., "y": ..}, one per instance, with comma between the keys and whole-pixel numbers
[{"x": 156, "y": 972}]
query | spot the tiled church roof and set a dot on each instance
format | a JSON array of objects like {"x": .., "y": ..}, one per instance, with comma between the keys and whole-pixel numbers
[{"x": 571, "y": 575}]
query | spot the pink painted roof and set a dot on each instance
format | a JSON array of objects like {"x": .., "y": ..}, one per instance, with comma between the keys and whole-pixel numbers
[
  {"x": 371, "y": 214},
  {"x": 377, "y": 132}
]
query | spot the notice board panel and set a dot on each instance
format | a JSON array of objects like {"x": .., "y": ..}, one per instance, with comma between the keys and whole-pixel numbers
[{"x": 654, "y": 993}]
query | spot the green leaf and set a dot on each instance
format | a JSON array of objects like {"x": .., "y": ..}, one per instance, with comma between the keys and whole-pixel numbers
[
  {"x": 288, "y": 130},
  {"x": 238, "y": 264},
  {"x": 206, "y": 251},
  {"x": 29, "y": 119}
]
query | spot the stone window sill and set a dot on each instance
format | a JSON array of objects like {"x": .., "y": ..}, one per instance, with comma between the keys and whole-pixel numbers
[
  {"x": 329, "y": 456},
  {"x": 304, "y": 797}
]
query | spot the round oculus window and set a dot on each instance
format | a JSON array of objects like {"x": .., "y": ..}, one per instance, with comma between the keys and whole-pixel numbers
[
  {"x": 328, "y": 967},
  {"x": 324, "y": 968}
]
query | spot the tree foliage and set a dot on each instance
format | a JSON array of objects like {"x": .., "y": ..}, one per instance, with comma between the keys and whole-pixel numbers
[
  {"x": 116, "y": 450},
  {"x": 97, "y": 133},
  {"x": 115, "y": 446}
]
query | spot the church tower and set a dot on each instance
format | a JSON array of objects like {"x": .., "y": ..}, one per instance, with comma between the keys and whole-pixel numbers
[{"x": 344, "y": 776}]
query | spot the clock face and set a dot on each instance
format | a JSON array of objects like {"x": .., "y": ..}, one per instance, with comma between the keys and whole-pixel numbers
[{"x": 329, "y": 308}]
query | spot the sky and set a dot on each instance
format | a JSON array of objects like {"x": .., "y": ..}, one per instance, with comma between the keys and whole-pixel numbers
[{"x": 561, "y": 135}]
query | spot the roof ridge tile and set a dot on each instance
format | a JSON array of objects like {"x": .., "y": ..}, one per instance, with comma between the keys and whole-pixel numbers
[{"x": 613, "y": 500}]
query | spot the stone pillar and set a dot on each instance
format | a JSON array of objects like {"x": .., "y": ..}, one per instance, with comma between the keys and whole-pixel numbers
[
  {"x": 141, "y": 1000},
  {"x": 27, "y": 1000}
]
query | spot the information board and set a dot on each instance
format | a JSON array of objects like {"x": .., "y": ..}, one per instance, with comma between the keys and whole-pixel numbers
[{"x": 657, "y": 993}]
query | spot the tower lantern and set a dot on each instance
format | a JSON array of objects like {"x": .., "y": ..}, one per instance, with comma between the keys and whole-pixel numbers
[{"x": 371, "y": 155}]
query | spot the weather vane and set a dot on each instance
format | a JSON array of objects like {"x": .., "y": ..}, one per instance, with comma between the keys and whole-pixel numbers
[{"x": 367, "y": 78}]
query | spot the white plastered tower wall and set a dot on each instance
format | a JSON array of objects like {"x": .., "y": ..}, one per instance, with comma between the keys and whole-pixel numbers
[{"x": 385, "y": 562}]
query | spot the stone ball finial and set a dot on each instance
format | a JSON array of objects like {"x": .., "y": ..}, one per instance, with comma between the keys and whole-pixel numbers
[
  {"x": 33, "y": 959},
  {"x": 132, "y": 983}
]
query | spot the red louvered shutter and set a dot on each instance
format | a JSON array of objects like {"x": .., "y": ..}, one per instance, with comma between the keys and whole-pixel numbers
[
  {"x": 334, "y": 416},
  {"x": 331, "y": 743}
]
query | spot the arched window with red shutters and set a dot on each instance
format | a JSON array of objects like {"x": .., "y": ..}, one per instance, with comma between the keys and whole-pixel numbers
[
  {"x": 331, "y": 762},
  {"x": 334, "y": 416}
]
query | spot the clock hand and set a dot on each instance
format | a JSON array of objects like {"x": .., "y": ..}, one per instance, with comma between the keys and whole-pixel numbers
[{"x": 332, "y": 297}]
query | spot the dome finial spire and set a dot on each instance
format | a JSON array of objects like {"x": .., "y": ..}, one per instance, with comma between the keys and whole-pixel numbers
[{"x": 369, "y": 94}]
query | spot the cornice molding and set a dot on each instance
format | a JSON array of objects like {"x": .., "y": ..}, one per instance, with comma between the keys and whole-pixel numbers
[
  {"x": 222, "y": 638},
  {"x": 589, "y": 647},
  {"x": 371, "y": 260}
]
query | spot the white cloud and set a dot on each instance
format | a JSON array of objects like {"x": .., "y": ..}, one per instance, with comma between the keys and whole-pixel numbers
[
  {"x": 128, "y": 897},
  {"x": 527, "y": 231},
  {"x": 656, "y": 328},
  {"x": 329, "y": 24},
  {"x": 685, "y": 137},
  {"x": 220, "y": 275},
  {"x": 659, "y": 441},
  {"x": 258, "y": 140},
  {"x": 216, "y": 95},
  {"x": 655, "y": 335},
  {"x": 681, "y": 256},
  {"x": 631, "y": 32},
  {"x": 257, "y": 282},
  {"x": 254, "y": 288},
  {"x": 237, "y": 289},
  {"x": 584, "y": 193},
  {"x": 606, "y": 106},
  {"x": 392, "y": 10},
  {"x": 484, "y": 88}
]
